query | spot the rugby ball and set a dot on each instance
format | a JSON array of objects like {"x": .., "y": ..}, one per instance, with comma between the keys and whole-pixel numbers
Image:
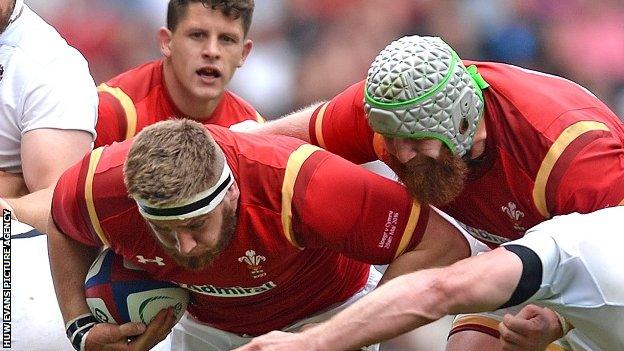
[{"x": 119, "y": 292}]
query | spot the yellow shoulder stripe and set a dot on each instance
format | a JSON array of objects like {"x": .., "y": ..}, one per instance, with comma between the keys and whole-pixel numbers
[
  {"x": 95, "y": 221},
  {"x": 127, "y": 104},
  {"x": 558, "y": 147},
  {"x": 318, "y": 125},
  {"x": 409, "y": 229},
  {"x": 293, "y": 166}
]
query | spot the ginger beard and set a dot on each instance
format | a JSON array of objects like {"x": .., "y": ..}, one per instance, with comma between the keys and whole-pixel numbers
[
  {"x": 196, "y": 263},
  {"x": 431, "y": 181},
  {"x": 6, "y": 10}
]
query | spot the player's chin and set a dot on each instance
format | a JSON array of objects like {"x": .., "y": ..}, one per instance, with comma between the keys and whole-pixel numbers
[{"x": 205, "y": 90}]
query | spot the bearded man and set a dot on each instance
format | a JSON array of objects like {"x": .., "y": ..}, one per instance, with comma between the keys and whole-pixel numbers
[
  {"x": 266, "y": 232},
  {"x": 498, "y": 147}
]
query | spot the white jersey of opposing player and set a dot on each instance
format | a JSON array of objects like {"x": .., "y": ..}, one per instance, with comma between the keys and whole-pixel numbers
[
  {"x": 583, "y": 275},
  {"x": 44, "y": 83}
]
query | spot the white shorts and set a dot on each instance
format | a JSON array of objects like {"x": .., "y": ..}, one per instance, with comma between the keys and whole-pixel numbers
[{"x": 190, "y": 334}]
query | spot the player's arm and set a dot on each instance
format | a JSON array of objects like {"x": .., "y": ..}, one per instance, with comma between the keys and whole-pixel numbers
[
  {"x": 45, "y": 154},
  {"x": 407, "y": 302},
  {"x": 69, "y": 263},
  {"x": 12, "y": 185},
  {"x": 419, "y": 298},
  {"x": 365, "y": 216},
  {"x": 339, "y": 126},
  {"x": 294, "y": 124},
  {"x": 72, "y": 249},
  {"x": 442, "y": 244},
  {"x": 567, "y": 181},
  {"x": 113, "y": 121},
  {"x": 58, "y": 126},
  {"x": 503, "y": 277}
]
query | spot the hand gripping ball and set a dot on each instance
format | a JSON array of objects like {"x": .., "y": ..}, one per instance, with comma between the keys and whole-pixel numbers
[{"x": 119, "y": 292}]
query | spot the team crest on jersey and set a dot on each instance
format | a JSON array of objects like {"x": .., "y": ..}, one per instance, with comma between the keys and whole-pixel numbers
[
  {"x": 515, "y": 215},
  {"x": 253, "y": 263},
  {"x": 157, "y": 260}
]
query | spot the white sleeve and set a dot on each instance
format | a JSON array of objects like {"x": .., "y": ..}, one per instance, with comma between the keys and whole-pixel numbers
[
  {"x": 580, "y": 255},
  {"x": 61, "y": 95}
]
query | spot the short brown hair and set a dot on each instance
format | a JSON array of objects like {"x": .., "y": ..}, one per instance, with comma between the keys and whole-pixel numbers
[
  {"x": 171, "y": 161},
  {"x": 230, "y": 8}
]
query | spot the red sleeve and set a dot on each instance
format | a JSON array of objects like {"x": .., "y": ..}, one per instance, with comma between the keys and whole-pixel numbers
[
  {"x": 340, "y": 126},
  {"x": 69, "y": 210},
  {"x": 587, "y": 179},
  {"x": 361, "y": 214},
  {"x": 111, "y": 121}
]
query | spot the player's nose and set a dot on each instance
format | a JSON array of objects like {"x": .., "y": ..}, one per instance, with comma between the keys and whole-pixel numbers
[
  {"x": 405, "y": 152},
  {"x": 406, "y": 149},
  {"x": 211, "y": 48},
  {"x": 185, "y": 242}
]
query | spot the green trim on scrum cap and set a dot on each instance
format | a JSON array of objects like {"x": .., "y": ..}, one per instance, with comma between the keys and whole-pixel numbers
[
  {"x": 478, "y": 80},
  {"x": 424, "y": 135},
  {"x": 426, "y": 95}
]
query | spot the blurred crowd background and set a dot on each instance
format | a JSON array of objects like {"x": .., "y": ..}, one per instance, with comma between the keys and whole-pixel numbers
[{"x": 309, "y": 50}]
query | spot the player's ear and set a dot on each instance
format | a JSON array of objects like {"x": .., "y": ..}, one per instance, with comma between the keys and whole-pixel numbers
[
  {"x": 232, "y": 193},
  {"x": 164, "y": 41},
  {"x": 247, "y": 45}
]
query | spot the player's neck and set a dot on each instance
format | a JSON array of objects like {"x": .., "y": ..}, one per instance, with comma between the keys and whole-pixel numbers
[{"x": 199, "y": 109}]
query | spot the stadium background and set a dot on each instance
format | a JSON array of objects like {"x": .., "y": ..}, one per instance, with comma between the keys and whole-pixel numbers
[{"x": 309, "y": 50}]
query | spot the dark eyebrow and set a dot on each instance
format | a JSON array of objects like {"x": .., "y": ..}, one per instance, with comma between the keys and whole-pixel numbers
[
  {"x": 195, "y": 30},
  {"x": 202, "y": 30}
]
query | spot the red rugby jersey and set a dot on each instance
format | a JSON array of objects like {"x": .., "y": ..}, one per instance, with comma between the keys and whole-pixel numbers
[
  {"x": 307, "y": 220},
  {"x": 138, "y": 98},
  {"x": 552, "y": 148}
]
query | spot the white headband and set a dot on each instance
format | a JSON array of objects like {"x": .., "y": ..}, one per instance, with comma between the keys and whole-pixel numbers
[{"x": 198, "y": 205}]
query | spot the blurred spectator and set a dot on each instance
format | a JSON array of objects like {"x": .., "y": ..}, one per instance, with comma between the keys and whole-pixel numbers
[
  {"x": 309, "y": 50},
  {"x": 586, "y": 42},
  {"x": 110, "y": 34},
  {"x": 267, "y": 78}
]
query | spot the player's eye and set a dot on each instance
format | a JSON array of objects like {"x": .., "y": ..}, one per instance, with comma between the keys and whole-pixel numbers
[
  {"x": 197, "y": 35},
  {"x": 161, "y": 231},
  {"x": 228, "y": 39},
  {"x": 196, "y": 225}
]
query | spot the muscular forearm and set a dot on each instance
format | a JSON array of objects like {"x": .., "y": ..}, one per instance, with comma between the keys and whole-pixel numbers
[
  {"x": 33, "y": 209},
  {"x": 442, "y": 244},
  {"x": 415, "y": 299},
  {"x": 385, "y": 313},
  {"x": 295, "y": 124},
  {"x": 69, "y": 262}
]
